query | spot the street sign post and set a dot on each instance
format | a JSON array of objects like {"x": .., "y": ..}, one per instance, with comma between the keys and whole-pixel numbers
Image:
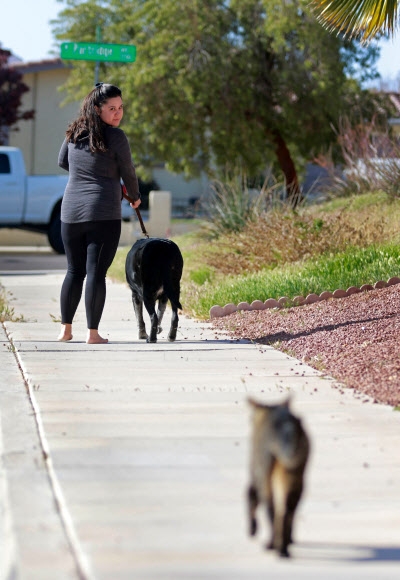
[{"x": 98, "y": 52}]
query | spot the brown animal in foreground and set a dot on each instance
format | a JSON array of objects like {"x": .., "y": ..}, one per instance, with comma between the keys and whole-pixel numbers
[{"x": 279, "y": 453}]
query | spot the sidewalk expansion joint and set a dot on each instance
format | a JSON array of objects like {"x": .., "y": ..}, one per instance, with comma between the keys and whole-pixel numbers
[{"x": 84, "y": 569}]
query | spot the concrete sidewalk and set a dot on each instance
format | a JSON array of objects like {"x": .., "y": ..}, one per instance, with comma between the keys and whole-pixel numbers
[{"x": 129, "y": 460}]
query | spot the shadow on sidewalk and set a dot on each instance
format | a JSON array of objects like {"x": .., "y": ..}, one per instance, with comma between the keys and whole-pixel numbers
[{"x": 345, "y": 552}]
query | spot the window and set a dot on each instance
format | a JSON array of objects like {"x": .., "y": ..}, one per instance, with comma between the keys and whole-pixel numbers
[{"x": 4, "y": 163}]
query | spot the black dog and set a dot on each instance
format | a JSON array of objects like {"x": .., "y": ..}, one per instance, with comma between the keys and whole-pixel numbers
[{"x": 153, "y": 270}]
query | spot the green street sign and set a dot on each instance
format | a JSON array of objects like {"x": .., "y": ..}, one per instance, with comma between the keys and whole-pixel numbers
[{"x": 98, "y": 52}]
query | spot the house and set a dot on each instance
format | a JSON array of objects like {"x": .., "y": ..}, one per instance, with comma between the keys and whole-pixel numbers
[
  {"x": 40, "y": 138},
  {"x": 394, "y": 122}
]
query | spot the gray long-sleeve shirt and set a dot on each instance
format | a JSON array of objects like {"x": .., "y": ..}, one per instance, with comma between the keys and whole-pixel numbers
[{"x": 93, "y": 191}]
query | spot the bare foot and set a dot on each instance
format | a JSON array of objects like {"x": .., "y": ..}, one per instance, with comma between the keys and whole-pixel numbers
[
  {"x": 65, "y": 333},
  {"x": 98, "y": 340},
  {"x": 64, "y": 338},
  {"x": 94, "y": 337}
]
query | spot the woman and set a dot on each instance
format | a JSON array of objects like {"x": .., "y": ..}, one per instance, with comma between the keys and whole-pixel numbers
[{"x": 97, "y": 156}]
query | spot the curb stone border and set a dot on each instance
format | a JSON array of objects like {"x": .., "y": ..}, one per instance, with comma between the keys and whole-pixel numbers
[{"x": 284, "y": 302}]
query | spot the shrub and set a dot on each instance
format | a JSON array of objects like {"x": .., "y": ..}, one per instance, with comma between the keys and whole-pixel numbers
[{"x": 232, "y": 204}]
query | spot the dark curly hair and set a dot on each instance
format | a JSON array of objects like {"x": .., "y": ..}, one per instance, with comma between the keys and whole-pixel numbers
[{"x": 88, "y": 122}]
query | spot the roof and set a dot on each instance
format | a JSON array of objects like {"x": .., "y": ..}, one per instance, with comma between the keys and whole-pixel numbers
[{"x": 39, "y": 65}]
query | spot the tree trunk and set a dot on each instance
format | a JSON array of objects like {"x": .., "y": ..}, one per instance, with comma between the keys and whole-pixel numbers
[{"x": 293, "y": 191}]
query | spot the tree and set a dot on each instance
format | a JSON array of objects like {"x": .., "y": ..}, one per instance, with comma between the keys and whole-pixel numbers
[
  {"x": 11, "y": 90},
  {"x": 221, "y": 84},
  {"x": 363, "y": 19}
]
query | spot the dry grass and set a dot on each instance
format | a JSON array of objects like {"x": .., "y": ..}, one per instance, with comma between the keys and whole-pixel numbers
[{"x": 281, "y": 237}]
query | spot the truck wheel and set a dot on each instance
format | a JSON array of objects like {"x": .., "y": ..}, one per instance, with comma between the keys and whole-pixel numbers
[{"x": 54, "y": 234}]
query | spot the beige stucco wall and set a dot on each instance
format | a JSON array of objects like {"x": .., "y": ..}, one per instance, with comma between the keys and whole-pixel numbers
[{"x": 40, "y": 138}]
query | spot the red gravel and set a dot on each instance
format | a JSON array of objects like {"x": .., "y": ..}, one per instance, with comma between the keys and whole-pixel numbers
[{"x": 355, "y": 340}]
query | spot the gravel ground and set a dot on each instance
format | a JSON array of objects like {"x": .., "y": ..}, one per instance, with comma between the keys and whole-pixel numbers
[{"x": 355, "y": 340}]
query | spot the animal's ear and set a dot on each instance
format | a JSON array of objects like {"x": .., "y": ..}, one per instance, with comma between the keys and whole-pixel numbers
[
  {"x": 255, "y": 404},
  {"x": 287, "y": 401},
  {"x": 252, "y": 402},
  {"x": 258, "y": 405}
]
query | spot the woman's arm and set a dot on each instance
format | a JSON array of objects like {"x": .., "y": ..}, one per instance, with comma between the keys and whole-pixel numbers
[
  {"x": 125, "y": 164},
  {"x": 63, "y": 156}
]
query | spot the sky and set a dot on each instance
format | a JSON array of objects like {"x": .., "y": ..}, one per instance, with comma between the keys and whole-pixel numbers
[{"x": 25, "y": 30}]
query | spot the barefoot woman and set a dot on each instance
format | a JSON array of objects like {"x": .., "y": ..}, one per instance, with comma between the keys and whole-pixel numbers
[{"x": 97, "y": 156}]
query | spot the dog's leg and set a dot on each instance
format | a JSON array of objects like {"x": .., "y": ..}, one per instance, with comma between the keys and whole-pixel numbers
[
  {"x": 162, "y": 304},
  {"x": 138, "y": 308},
  {"x": 174, "y": 324},
  {"x": 150, "y": 307}
]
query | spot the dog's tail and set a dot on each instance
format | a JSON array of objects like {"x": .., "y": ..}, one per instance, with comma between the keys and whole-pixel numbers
[{"x": 172, "y": 282}]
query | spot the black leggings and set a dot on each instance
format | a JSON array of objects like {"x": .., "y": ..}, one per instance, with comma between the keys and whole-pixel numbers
[{"x": 90, "y": 248}]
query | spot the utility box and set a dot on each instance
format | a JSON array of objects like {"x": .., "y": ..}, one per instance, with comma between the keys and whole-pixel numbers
[{"x": 159, "y": 224}]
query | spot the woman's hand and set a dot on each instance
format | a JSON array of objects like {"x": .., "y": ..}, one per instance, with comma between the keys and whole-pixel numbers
[{"x": 135, "y": 204}]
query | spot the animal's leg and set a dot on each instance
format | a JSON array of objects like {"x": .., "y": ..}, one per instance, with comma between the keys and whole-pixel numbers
[
  {"x": 138, "y": 308},
  {"x": 162, "y": 303},
  {"x": 174, "y": 324},
  {"x": 150, "y": 307},
  {"x": 271, "y": 518},
  {"x": 278, "y": 540},
  {"x": 291, "y": 505},
  {"x": 252, "y": 501},
  {"x": 278, "y": 505}
]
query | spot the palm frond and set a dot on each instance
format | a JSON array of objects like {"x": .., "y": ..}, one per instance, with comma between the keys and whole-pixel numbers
[{"x": 362, "y": 19}]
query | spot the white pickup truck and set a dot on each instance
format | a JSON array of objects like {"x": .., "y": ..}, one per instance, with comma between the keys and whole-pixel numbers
[{"x": 33, "y": 202}]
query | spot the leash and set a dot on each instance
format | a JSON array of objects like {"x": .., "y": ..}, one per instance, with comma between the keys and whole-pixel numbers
[
  {"x": 144, "y": 232},
  {"x": 139, "y": 216}
]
